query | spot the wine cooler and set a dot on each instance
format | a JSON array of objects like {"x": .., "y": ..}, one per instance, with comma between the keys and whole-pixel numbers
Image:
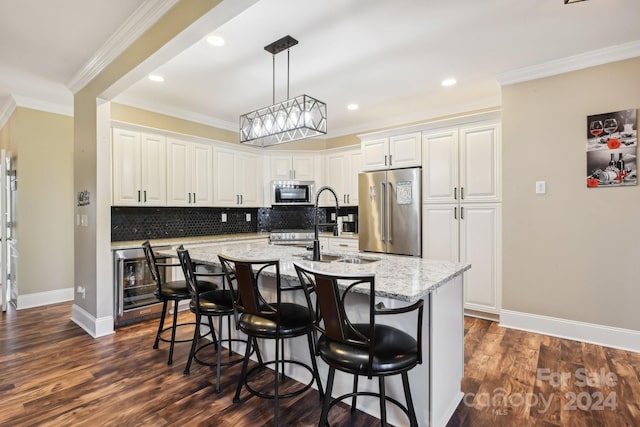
[{"x": 134, "y": 296}]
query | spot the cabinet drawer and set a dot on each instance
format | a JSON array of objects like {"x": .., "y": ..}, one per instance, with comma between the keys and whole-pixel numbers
[{"x": 343, "y": 245}]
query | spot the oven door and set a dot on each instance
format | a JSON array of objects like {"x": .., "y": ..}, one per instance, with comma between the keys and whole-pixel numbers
[{"x": 134, "y": 287}]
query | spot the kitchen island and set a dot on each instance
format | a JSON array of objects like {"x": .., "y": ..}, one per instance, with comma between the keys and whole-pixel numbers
[{"x": 400, "y": 281}]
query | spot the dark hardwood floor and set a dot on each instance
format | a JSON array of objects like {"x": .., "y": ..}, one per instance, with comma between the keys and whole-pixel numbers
[{"x": 53, "y": 373}]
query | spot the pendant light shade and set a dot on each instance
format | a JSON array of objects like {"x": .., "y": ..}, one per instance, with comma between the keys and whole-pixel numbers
[{"x": 296, "y": 118}]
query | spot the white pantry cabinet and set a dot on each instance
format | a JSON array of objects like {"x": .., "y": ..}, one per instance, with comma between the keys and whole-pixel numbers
[
  {"x": 236, "y": 178},
  {"x": 341, "y": 173},
  {"x": 297, "y": 166},
  {"x": 138, "y": 169},
  {"x": 468, "y": 233},
  {"x": 189, "y": 173},
  {"x": 399, "y": 151},
  {"x": 462, "y": 164}
]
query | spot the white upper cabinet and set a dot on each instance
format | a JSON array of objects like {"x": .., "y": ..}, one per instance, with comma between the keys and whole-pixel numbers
[
  {"x": 237, "y": 177},
  {"x": 462, "y": 164},
  {"x": 341, "y": 174},
  {"x": 399, "y": 151},
  {"x": 189, "y": 173},
  {"x": 293, "y": 166},
  {"x": 138, "y": 169}
]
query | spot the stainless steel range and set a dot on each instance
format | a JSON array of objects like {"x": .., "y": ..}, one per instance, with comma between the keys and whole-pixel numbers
[{"x": 291, "y": 237}]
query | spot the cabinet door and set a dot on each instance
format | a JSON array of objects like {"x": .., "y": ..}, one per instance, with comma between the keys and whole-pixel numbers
[
  {"x": 247, "y": 184},
  {"x": 440, "y": 232},
  {"x": 405, "y": 150},
  {"x": 126, "y": 168},
  {"x": 375, "y": 154},
  {"x": 281, "y": 167},
  {"x": 224, "y": 190},
  {"x": 479, "y": 163},
  {"x": 201, "y": 174},
  {"x": 440, "y": 166},
  {"x": 178, "y": 173},
  {"x": 480, "y": 246},
  {"x": 303, "y": 166},
  {"x": 335, "y": 178},
  {"x": 355, "y": 167},
  {"x": 153, "y": 170}
]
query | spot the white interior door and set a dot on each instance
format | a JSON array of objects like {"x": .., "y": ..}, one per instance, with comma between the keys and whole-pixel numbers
[{"x": 4, "y": 259}]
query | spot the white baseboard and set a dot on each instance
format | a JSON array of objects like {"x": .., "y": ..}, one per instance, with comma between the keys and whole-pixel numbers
[
  {"x": 94, "y": 327},
  {"x": 624, "y": 339},
  {"x": 39, "y": 299}
]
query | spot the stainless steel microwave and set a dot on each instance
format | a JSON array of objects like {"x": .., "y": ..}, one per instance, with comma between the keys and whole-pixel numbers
[{"x": 292, "y": 193}]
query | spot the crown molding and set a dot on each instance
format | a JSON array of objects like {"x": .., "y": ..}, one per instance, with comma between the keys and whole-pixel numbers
[
  {"x": 42, "y": 105},
  {"x": 137, "y": 24},
  {"x": 572, "y": 63},
  {"x": 7, "y": 107}
]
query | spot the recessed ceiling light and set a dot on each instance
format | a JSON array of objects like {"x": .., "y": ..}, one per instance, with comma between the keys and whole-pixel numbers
[
  {"x": 215, "y": 41},
  {"x": 352, "y": 107},
  {"x": 156, "y": 78},
  {"x": 448, "y": 82}
]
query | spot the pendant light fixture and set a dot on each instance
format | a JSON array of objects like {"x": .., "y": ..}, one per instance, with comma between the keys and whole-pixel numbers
[{"x": 296, "y": 118}]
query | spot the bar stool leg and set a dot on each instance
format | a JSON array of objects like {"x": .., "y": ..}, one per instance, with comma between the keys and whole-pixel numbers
[
  {"x": 164, "y": 313},
  {"x": 316, "y": 374},
  {"x": 355, "y": 398},
  {"x": 219, "y": 354},
  {"x": 327, "y": 398},
  {"x": 194, "y": 343},
  {"x": 407, "y": 393},
  {"x": 243, "y": 372},
  {"x": 275, "y": 396},
  {"x": 173, "y": 331},
  {"x": 383, "y": 406}
]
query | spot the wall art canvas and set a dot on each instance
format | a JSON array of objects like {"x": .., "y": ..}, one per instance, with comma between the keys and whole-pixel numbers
[{"x": 612, "y": 142}]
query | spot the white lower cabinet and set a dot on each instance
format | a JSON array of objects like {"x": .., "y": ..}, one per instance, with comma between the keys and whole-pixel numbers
[
  {"x": 337, "y": 244},
  {"x": 468, "y": 233}
]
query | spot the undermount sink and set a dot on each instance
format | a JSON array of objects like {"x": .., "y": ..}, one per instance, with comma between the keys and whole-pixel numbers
[{"x": 341, "y": 258}]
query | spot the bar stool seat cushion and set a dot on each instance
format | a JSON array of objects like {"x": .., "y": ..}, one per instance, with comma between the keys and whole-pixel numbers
[
  {"x": 178, "y": 289},
  {"x": 215, "y": 302},
  {"x": 394, "y": 351},
  {"x": 294, "y": 320}
]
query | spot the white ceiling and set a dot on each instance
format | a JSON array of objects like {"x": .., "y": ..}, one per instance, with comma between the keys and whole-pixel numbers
[{"x": 387, "y": 56}]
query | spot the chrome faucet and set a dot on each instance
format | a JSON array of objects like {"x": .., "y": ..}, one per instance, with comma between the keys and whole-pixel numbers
[{"x": 316, "y": 241}]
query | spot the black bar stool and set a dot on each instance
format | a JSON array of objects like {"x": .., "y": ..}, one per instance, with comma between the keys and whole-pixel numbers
[
  {"x": 368, "y": 349},
  {"x": 209, "y": 303},
  {"x": 175, "y": 291},
  {"x": 269, "y": 320}
]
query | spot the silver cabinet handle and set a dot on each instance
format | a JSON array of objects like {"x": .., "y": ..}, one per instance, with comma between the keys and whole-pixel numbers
[
  {"x": 194, "y": 197},
  {"x": 241, "y": 199},
  {"x": 390, "y": 159},
  {"x": 461, "y": 212},
  {"x": 455, "y": 193},
  {"x": 385, "y": 160},
  {"x": 455, "y": 213},
  {"x": 461, "y": 193},
  {"x": 138, "y": 196},
  {"x": 189, "y": 197},
  {"x": 343, "y": 245},
  {"x": 145, "y": 196}
]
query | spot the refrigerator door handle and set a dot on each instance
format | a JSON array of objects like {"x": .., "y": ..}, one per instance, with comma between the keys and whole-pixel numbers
[
  {"x": 389, "y": 222},
  {"x": 383, "y": 198}
]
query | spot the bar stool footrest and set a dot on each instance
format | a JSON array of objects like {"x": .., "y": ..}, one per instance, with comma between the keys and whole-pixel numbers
[
  {"x": 169, "y": 328},
  {"x": 370, "y": 394},
  {"x": 240, "y": 357},
  {"x": 281, "y": 396}
]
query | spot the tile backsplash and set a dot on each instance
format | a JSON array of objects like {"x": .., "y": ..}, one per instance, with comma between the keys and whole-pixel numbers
[{"x": 141, "y": 223}]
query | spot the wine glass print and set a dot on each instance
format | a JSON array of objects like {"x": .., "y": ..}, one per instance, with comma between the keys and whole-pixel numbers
[
  {"x": 596, "y": 128},
  {"x": 610, "y": 126}
]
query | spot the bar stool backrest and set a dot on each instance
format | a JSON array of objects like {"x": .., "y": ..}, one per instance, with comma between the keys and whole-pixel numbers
[
  {"x": 189, "y": 271},
  {"x": 153, "y": 265}
]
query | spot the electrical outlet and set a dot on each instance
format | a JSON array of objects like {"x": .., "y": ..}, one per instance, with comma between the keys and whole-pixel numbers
[
  {"x": 541, "y": 187},
  {"x": 80, "y": 291},
  {"x": 333, "y": 216},
  {"x": 224, "y": 217},
  {"x": 248, "y": 217}
]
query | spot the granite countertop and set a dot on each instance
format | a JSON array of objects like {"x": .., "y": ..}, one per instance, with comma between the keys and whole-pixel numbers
[
  {"x": 397, "y": 277},
  {"x": 175, "y": 241}
]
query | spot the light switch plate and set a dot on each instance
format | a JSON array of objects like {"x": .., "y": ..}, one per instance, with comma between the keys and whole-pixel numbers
[
  {"x": 84, "y": 220},
  {"x": 224, "y": 217},
  {"x": 248, "y": 217},
  {"x": 541, "y": 187}
]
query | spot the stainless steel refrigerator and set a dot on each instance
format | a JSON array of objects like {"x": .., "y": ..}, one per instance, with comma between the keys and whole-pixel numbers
[{"x": 390, "y": 211}]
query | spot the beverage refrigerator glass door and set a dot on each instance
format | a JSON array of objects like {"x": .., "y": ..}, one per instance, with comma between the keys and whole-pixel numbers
[{"x": 134, "y": 297}]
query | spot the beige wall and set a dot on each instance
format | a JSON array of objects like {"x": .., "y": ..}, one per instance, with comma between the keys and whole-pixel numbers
[
  {"x": 43, "y": 144},
  {"x": 572, "y": 253}
]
